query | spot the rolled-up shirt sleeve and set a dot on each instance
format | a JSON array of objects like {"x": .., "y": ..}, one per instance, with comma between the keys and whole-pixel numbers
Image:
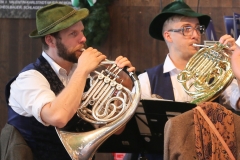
[{"x": 29, "y": 93}]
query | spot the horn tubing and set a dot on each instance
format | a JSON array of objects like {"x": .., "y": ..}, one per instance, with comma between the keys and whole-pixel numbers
[{"x": 83, "y": 145}]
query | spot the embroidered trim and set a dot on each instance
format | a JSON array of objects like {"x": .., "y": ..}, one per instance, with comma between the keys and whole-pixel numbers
[
  {"x": 56, "y": 22},
  {"x": 211, "y": 125}
]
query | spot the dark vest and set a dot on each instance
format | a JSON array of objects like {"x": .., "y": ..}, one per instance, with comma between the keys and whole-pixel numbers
[
  {"x": 160, "y": 82},
  {"x": 43, "y": 140}
]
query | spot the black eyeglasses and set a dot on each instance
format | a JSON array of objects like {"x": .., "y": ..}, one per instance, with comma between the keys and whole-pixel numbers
[{"x": 188, "y": 30}]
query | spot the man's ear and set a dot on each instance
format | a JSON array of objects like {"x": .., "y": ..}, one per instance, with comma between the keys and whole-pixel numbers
[
  {"x": 50, "y": 40},
  {"x": 167, "y": 36}
]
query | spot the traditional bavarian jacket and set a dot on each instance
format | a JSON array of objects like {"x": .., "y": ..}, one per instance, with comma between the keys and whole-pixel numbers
[{"x": 43, "y": 140}]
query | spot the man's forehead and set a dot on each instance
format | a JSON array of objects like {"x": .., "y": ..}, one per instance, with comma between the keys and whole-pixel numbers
[
  {"x": 78, "y": 25},
  {"x": 182, "y": 19},
  {"x": 185, "y": 21}
]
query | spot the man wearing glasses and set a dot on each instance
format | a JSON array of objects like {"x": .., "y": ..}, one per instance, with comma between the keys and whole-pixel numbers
[{"x": 180, "y": 27}]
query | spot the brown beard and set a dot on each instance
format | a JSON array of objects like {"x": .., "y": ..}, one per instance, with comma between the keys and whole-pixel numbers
[{"x": 64, "y": 53}]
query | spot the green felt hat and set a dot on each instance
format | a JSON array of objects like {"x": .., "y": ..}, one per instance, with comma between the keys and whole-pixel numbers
[
  {"x": 174, "y": 8},
  {"x": 56, "y": 17}
]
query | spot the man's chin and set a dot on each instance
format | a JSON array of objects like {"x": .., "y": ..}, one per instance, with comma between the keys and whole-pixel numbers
[
  {"x": 76, "y": 55},
  {"x": 195, "y": 49}
]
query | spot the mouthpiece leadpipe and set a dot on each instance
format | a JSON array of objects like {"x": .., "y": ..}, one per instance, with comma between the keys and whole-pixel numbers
[
  {"x": 206, "y": 46},
  {"x": 199, "y": 45}
]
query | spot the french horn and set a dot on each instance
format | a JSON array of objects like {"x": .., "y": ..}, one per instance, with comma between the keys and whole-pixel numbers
[
  {"x": 208, "y": 73},
  {"x": 108, "y": 103}
]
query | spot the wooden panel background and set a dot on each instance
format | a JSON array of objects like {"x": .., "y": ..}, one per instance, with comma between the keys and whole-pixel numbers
[{"x": 128, "y": 36}]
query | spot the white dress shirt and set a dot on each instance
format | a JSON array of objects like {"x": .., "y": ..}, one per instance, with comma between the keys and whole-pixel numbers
[
  {"x": 31, "y": 90},
  {"x": 180, "y": 95}
]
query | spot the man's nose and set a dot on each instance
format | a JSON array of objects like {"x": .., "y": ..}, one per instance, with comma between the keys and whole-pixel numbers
[
  {"x": 196, "y": 33},
  {"x": 83, "y": 39}
]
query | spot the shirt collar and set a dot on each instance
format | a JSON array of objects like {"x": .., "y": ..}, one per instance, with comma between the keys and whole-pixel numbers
[
  {"x": 57, "y": 69},
  {"x": 168, "y": 65}
]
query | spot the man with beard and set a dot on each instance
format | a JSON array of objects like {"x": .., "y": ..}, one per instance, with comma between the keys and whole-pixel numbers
[{"x": 47, "y": 93}]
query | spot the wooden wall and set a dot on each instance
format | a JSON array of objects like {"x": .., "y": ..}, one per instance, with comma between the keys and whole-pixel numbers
[{"x": 128, "y": 36}]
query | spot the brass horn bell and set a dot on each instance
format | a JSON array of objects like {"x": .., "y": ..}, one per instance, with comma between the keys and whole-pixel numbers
[
  {"x": 109, "y": 103},
  {"x": 207, "y": 73}
]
